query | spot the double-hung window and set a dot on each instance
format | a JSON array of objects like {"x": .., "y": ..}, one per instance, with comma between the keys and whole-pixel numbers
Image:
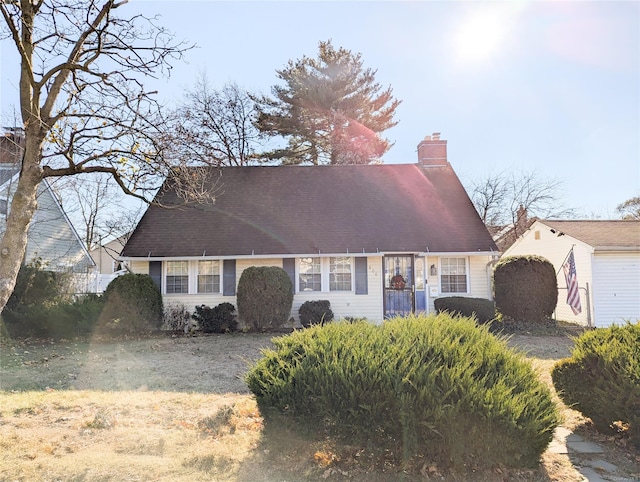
[
  {"x": 310, "y": 278},
  {"x": 325, "y": 274},
  {"x": 177, "y": 278},
  {"x": 340, "y": 274},
  {"x": 453, "y": 275},
  {"x": 209, "y": 276}
]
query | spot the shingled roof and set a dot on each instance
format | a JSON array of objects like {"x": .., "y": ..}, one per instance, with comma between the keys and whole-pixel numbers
[
  {"x": 306, "y": 210},
  {"x": 600, "y": 234}
]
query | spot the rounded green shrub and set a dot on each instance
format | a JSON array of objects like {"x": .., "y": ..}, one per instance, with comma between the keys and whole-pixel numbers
[
  {"x": 526, "y": 288},
  {"x": 482, "y": 309},
  {"x": 315, "y": 313},
  {"x": 437, "y": 386},
  {"x": 601, "y": 379},
  {"x": 265, "y": 297},
  {"x": 133, "y": 304}
]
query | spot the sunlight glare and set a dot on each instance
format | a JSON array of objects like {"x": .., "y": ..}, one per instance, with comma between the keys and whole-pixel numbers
[{"x": 483, "y": 34}]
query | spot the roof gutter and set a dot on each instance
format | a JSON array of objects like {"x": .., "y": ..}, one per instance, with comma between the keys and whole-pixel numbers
[
  {"x": 377, "y": 254},
  {"x": 616, "y": 248}
]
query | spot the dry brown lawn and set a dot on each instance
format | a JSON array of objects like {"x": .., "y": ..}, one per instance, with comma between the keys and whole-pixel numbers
[{"x": 177, "y": 409}]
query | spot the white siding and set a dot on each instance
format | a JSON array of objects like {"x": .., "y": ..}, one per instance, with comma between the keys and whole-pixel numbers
[
  {"x": 52, "y": 238},
  {"x": 141, "y": 267},
  {"x": 480, "y": 277},
  {"x": 345, "y": 304},
  {"x": 616, "y": 292}
]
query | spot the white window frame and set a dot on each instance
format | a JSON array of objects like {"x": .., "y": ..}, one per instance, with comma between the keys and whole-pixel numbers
[
  {"x": 215, "y": 273},
  {"x": 442, "y": 273},
  {"x": 336, "y": 265},
  {"x": 166, "y": 276},
  {"x": 193, "y": 267},
  {"x": 300, "y": 262},
  {"x": 325, "y": 274}
]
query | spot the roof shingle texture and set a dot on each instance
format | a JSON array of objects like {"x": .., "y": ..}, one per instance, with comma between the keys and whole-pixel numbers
[
  {"x": 294, "y": 210},
  {"x": 615, "y": 233}
]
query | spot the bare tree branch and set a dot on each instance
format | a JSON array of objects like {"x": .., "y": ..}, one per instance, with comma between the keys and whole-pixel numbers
[
  {"x": 84, "y": 106},
  {"x": 500, "y": 197}
]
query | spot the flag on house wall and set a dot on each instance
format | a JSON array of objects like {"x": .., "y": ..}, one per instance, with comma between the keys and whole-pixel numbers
[{"x": 573, "y": 293}]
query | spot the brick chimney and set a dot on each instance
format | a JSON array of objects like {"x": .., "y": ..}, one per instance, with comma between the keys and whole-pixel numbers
[
  {"x": 11, "y": 146},
  {"x": 432, "y": 151}
]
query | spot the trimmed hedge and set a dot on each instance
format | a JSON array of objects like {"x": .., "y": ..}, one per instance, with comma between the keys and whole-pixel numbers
[
  {"x": 482, "y": 309},
  {"x": 133, "y": 304},
  {"x": 526, "y": 288},
  {"x": 265, "y": 297},
  {"x": 435, "y": 386},
  {"x": 40, "y": 307},
  {"x": 60, "y": 320},
  {"x": 601, "y": 379},
  {"x": 315, "y": 313}
]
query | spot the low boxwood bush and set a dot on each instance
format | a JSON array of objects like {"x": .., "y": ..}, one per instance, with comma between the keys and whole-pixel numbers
[
  {"x": 265, "y": 297},
  {"x": 315, "y": 313},
  {"x": 438, "y": 386},
  {"x": 219, "y": 319},
  {"x": 526, "y": 288},
  {"x": 482, "y": 309},
  {"x": 601, "y": 379},
  {"x": 133, "y": 304}
]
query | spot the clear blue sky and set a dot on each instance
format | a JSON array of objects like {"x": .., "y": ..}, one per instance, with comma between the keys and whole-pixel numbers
[{"x": 547, "y": 86}]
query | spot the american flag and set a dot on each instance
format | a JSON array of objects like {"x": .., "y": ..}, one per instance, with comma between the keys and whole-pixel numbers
[{"x": 573, "y": 294}]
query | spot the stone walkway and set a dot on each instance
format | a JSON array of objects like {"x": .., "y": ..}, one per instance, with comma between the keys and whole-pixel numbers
[{"x": 585, "y": 456}]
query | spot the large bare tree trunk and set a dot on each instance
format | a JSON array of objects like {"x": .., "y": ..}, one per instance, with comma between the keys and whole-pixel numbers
[
  {"x": 84, "y": 107},
  {"x": 23, "y": 206}
]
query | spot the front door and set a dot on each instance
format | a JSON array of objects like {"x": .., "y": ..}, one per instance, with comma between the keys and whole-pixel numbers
[{"x": 398, "y": 285}]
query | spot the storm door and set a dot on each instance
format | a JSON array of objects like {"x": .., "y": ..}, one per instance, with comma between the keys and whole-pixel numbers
[{"x": 398, "y": 285}]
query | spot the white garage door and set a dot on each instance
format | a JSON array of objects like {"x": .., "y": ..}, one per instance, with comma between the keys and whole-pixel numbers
[{"x": 616, "y": 288}]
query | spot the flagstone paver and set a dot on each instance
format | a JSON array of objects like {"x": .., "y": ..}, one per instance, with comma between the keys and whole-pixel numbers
[{"x": 585, "y": 456}]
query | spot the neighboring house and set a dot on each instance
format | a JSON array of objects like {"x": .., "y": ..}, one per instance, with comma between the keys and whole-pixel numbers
[
  {"x": 374, "y": 240},
  {"x": 607, "y": 260},
  {"x": 52, "y": 238},
  {"x": 505, "y": 236},
  {"x": 106, "y": 259}
]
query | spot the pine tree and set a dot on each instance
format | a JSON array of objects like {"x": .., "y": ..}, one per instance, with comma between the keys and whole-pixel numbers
[{"x": 331, "y": 110}]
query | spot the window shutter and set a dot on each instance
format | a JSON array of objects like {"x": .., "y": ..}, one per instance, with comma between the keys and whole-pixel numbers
[
  {"x": 289, "y": 265},
  {"x": 155, "y": 271},
  {"x": 229, "y": 277},
  {"x": 362, "y": 285}
]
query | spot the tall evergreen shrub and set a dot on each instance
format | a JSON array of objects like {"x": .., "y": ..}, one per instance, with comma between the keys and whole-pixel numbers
[
  {"x": 526, "y": 288},
  {"x": 133, "y": 304},
  {"x": 437, "y": 386},
  {"x": 265, "y": 297}
]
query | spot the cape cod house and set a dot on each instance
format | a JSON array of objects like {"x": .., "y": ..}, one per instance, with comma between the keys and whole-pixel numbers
[
  {"x": 607, "y": 266},
  {"x": 52, "y": 239},
  {"x": 374, "y": 240}
]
